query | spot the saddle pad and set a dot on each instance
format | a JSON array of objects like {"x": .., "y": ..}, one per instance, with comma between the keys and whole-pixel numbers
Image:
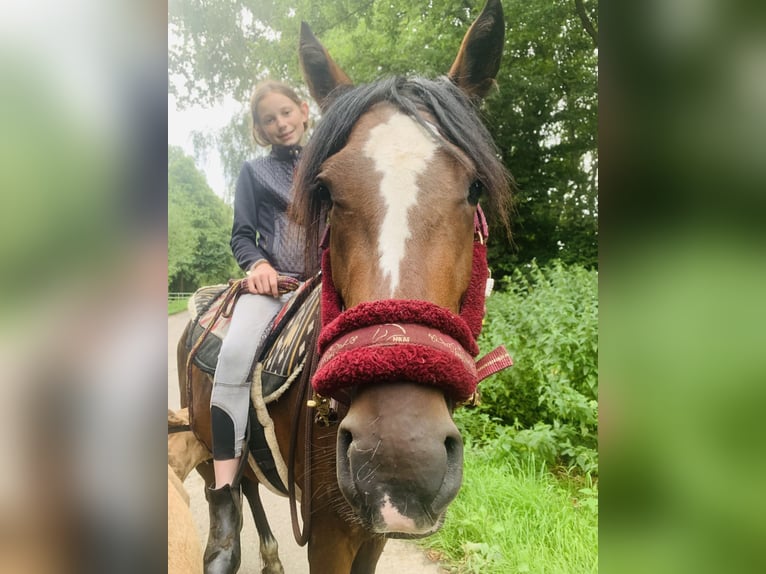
[
  {"x": 283, "y": 357},
  {"x": 203, "y": 306},
  {"x": 203, "y": 297}
]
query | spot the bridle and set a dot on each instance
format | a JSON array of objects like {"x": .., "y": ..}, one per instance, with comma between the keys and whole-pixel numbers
[
  {"x": 379, "y": 341},
  {"x": 406, "y": 340}
]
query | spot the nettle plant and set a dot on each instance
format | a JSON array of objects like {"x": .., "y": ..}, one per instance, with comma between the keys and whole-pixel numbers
[{"x": 547, "y": 403}]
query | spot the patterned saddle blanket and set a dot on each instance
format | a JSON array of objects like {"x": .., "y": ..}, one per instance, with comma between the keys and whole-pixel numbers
[{"x": 282, "y": 349}]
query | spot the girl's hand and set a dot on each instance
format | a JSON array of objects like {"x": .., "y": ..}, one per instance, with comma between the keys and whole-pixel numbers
[{"x": 262, "y": 280}]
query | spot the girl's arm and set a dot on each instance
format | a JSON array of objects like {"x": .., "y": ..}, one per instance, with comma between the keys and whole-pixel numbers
[{"x": 243, "y": 232}]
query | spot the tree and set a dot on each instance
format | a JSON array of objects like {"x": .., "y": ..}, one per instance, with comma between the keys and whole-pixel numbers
[
  {"x": 182, "y": 239},
  {"x": 543, "y": 117},
  {"x": 544, "y": 120},
  {"x": 199, "y": 227}
]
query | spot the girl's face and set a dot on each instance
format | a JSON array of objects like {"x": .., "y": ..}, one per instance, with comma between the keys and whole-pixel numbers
[{"x": 281, "y": 120}]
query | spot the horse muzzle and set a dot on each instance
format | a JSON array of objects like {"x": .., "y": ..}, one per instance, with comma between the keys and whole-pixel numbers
[{"x": 399, "y": 459}]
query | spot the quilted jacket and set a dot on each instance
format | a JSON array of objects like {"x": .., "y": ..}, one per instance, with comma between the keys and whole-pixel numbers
[{"x": 261, "y": 227}]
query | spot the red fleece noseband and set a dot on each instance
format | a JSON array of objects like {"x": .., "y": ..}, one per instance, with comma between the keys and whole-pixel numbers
[{"x": 359, "y": 348}]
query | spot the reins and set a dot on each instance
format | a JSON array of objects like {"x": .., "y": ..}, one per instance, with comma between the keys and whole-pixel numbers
[
  {"x": 302, "y": 414},
  {"x": 225, "y": 309}
]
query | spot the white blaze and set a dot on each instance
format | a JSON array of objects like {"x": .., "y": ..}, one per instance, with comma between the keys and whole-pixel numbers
[{"x": 401, "y": 149}]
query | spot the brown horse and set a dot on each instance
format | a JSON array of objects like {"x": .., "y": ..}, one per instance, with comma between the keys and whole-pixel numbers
[{"x": 397, "y": 168}]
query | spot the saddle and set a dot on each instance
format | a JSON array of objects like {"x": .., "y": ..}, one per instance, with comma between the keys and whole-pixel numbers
[{"x": 279, "y": 360}]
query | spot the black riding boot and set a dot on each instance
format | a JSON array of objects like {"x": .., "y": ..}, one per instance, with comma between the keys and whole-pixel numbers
[{"x": 222, "y": 554}]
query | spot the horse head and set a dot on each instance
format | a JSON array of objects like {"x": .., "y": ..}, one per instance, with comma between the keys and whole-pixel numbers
[{"x": 397, "y": 168}]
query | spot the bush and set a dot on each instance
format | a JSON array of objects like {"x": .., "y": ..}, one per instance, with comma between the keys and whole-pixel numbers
[{"x": 547, "y": 402}]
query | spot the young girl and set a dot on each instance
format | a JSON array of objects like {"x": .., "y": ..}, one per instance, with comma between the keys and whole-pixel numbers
[{"x": 265, "y": 243}]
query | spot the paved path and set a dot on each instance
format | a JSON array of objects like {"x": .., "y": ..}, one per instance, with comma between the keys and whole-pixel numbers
[{"x": 399, "y": 557}]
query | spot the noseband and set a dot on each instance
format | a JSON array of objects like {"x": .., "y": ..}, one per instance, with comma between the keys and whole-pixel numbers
[{"x": 406, "y": 340}]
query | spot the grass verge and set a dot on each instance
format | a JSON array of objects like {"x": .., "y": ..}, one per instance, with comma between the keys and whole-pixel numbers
[
  {"x": 177, "y": 306},
  {"x": 517, "y": 517}
]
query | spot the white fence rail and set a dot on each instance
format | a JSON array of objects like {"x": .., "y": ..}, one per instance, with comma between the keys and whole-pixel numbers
[{"x": 178, "y": 296}]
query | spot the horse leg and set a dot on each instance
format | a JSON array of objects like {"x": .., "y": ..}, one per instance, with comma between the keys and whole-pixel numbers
[
  {"x": 269, "y": 546},
  {"x": 333, "y": 543},
  {"x": 367, "y": 558},
  {"x": 205, "y": 470}
]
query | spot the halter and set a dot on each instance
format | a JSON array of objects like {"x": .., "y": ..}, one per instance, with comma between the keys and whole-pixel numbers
[{"x": 406, "y": 340}]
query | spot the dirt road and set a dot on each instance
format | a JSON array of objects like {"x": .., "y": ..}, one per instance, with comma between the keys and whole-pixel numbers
[{"x": 399, "y": 557}]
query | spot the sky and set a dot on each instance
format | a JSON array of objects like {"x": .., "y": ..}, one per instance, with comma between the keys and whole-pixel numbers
[{"x": 181, "y": 124}]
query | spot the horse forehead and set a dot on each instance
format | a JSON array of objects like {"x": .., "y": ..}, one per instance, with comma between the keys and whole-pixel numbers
[{"x": 394, "y": 140}]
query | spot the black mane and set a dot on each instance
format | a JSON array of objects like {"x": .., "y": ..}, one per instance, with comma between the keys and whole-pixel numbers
[{"x": 458, "y": 123}]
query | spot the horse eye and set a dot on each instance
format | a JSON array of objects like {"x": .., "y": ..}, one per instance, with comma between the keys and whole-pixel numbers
[
  {"x": 322, "y": 191},
  {"x": 474, "y": 192}
]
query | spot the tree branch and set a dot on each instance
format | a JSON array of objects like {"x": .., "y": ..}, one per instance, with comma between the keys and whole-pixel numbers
[{"x": 586, "y": 23}]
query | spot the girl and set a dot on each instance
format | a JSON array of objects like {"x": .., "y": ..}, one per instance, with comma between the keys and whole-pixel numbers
[{"x": 264, "y": 244}]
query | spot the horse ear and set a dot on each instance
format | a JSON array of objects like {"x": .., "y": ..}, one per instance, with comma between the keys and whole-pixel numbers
[
  {"x": 478, "y": 59},
  {"x": 321, "y": 73}
]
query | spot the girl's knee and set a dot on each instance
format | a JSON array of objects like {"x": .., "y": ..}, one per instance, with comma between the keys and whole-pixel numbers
[{"x": 234, "y": 353}]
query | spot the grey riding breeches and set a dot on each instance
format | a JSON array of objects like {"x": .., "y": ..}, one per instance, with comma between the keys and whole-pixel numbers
[{"x": 231, "y": 384}]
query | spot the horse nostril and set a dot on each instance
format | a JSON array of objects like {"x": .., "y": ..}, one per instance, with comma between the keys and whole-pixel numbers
[
  {"x": 343, "y": 464},
  {"x": 453, "y": 445},
  {"x": 345, "y": 439}
]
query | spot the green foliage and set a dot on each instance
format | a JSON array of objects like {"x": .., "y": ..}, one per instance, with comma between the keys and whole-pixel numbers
[
  {"x": 199, "y": 228},
  {"x": 543, "y": 116},
  {"x": 514, "y": 516},
  {"x": 547, "y": 402},
  {"x": 234, "y": 145}
]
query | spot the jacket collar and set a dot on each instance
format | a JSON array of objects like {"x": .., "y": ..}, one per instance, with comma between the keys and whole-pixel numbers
[{"x": 285, "y": 152}]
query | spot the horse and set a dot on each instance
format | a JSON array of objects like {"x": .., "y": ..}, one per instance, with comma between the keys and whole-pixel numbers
[
  {"x": 389, "y": 188},
  {"x": 185, "y": 452}
]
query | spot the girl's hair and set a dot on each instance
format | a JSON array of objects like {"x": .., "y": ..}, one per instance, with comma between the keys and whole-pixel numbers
[{"x": 261, "y": 90}]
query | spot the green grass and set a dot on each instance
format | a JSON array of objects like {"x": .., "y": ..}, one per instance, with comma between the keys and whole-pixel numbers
[
  {"x": 177, "y": 306},
  {"x": 519, "y": 518}
]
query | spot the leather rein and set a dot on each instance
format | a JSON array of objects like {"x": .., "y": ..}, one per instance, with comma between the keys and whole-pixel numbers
[{"x": 302, "y": 410}]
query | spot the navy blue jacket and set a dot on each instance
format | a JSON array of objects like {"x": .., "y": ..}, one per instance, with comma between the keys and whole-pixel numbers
[{"x": 261, "y": 227}]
